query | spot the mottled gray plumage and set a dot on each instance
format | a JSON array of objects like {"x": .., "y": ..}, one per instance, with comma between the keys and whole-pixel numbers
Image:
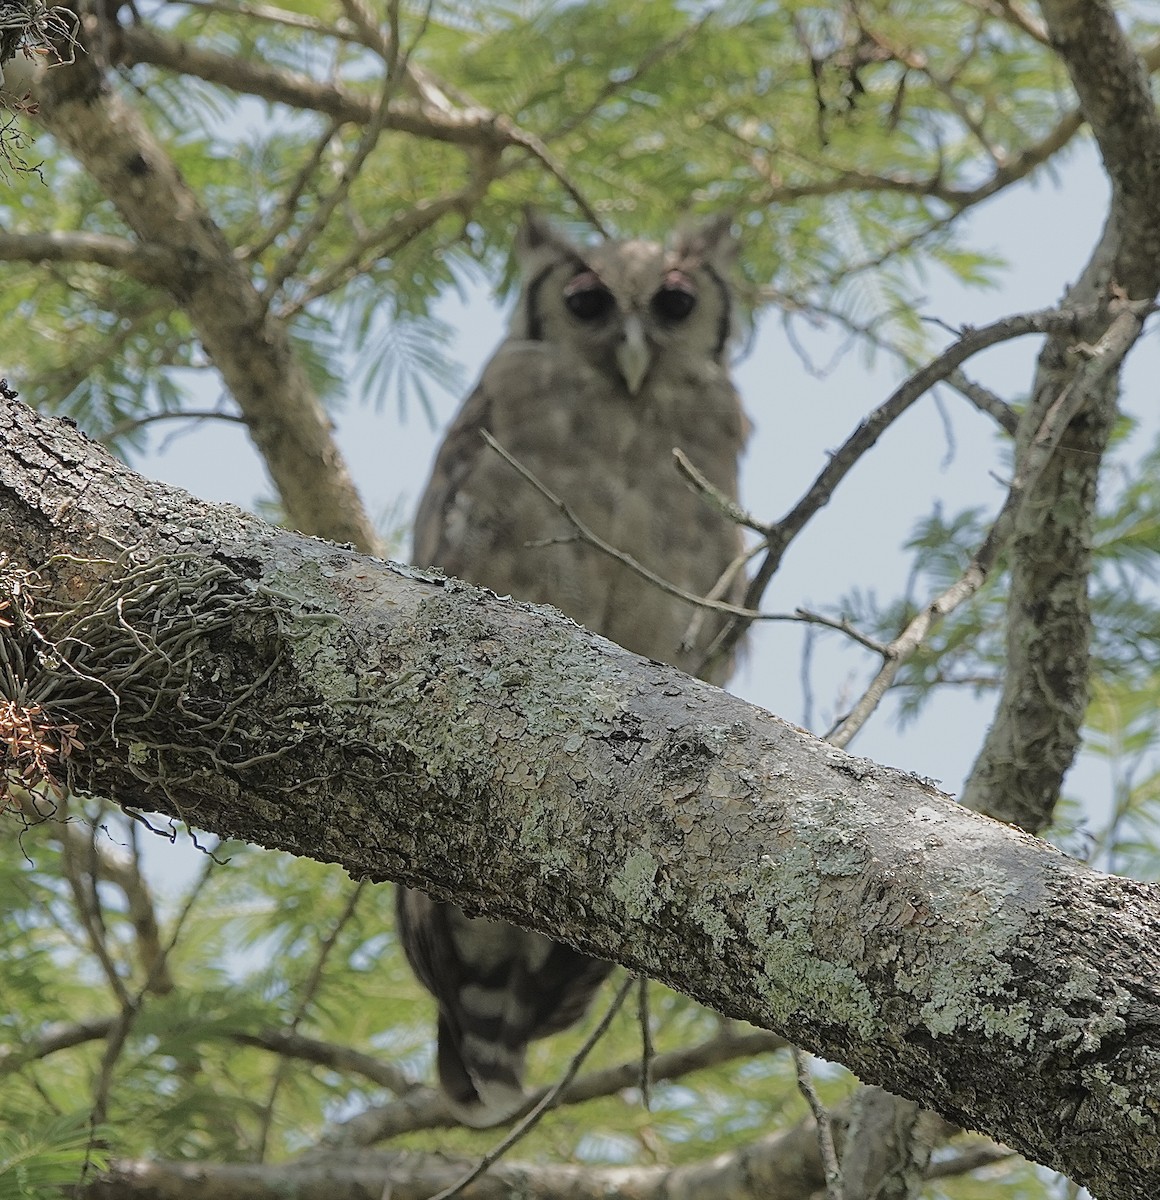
[{"x": 616, "y": 355}]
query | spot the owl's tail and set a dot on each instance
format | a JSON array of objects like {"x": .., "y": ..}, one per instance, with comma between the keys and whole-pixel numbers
[{"x": 481, "y": 1077}]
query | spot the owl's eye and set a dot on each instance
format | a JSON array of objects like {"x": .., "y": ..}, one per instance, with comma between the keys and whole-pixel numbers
[
  {"x": 675, "y": 299},
  {"x": 587, "y": 298}
]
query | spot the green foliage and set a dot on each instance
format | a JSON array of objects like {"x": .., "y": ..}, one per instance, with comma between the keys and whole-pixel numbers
[
  {"x": 34, "y": 1161},
  {"x": 846, "y": 177}
]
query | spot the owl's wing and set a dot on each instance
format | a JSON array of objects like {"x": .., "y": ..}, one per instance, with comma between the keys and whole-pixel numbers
[
  {"x": 479, "y": 521},
  {"x": 456, "y": 462}
]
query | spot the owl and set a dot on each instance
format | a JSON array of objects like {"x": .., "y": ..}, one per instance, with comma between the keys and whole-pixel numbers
[{"x": 615, "y": 356}]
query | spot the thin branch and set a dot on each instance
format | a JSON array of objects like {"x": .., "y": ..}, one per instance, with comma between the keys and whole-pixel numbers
[
  {"x": 124, "y": 428},
  {"x": 276, "y": 16},
  {"x": 104, "y": 863},
  {"x": 396, "y": 59},
  {"x": 425, "y": 1108},
  {"x": 147, "y": 262},
  {"x": 647, "y": 1049},
  {"x": 533, "y": 1118},
  {"x": 473, "y": 127},
  {"x": 329, "y": 1055},
  {"x": 309, "y": 991},
  {"x": 51, "y": 1040},
  {"x": 985, "y": 400},
  {"x": 597, "y": 542},
  {"x": 825, "y": 1128},
  {"x": 60, "y": 1036},
  {"x": 1102, "y": 359},
  {"x": 619, "y": 85},
  {"x": 1014, "y": 14},
  {"x": 716, "y": 497},
  {"x": 843, "y": 626},
  {"x": 538, "y": 150},
  {"x": 88, "y": 908},
  {"x": 863, "y": 439},
  {"x": 288, "y": 207},
  {"x": 384, "y": 244}
]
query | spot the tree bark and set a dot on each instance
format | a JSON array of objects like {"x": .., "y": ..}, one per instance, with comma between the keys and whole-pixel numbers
[
  {"x": 1032, "y": 742},
  {"x": 248, "y": 345},
  {"x": 302, "y": 696}
]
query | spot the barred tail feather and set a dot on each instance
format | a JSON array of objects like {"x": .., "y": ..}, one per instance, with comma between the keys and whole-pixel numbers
[{"x": 481, "y": 1079}]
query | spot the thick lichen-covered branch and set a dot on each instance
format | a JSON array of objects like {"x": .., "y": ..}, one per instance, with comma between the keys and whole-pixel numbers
[{"x": 414, "y": 728}]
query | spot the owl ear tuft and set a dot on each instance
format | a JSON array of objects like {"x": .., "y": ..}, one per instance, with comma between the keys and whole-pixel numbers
[
  {"x": 711, "y": 241},
  {"x": 536, "y": 235}
]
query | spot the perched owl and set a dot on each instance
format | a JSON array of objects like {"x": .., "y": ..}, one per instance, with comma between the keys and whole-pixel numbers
[{"x": 616, "y": 355}]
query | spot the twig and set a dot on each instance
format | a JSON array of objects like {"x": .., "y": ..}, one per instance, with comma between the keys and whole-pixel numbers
[
  {"x": 276, "y": 16},
  {"x": 843, "y": 626},
  {"x": 124, "y": 428},
  {"x": 985, "y": 401},
  {"x": 288, "y": 207},
  {"x": 647, "y": 1049},
  {"x": 843, "y": 460},
  {"x": 309, "y": 990},
  {"x": 1100, "y": 359},
  {"x": 118, "y": 1034},
  {"x": 825, "y": 1128},
  {"x": 425, "y": 1108},
  {"x": 598, "y": 543},
  {"x": 538, "y": 150},
  {"x": 725, "y": 584},
  {"x": 533, "y": 1118},
  {"x": 289, "y": 263},
  {"x": 723, "y": 503},
  {"x": 385, "y": 243}
]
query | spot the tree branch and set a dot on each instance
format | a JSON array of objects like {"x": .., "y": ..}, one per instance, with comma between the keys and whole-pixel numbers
[
  {"x": 783, "y": 1165},
  {"x": 425, "y": 1108},
  {"x": 863, "y": 439},
  {"x": 1033, "y": 739},
  {"x": 299, "y": 695},
  {"x": 252, "y": 351},
  {"x": 151, "y": 263}
]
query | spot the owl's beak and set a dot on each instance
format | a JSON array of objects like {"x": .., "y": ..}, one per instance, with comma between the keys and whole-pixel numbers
[{"x": 633, "y": 356}]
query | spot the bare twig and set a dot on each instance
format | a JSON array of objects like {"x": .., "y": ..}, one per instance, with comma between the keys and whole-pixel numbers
[
  {"x": 425, "y": 1108},
  {"x": 825, "y": 1129},
  {"x": 1100, "y": 360},
  {"x": 533, "y": 1118},
  {"x": 124, "y": 428},
  {"x": 288, "y": 208},
  {"x": 843, "y": 625},
  {"x": 716, "y": 497},
  {"x": 372, "y": 131},
  {"x": 647, "y": 1049},
  {"x": 598, "y": 543},
  {"x": 842, "y": 461},
  {"x": 276, "y": 16},
  {"x": 309, "y": 990},
  {"x": 385, "y": 243},
  {"x": 985, "y": 401}
]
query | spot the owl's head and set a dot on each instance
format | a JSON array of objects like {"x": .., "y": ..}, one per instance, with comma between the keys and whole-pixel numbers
[{"x": 630, "y": 308}]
